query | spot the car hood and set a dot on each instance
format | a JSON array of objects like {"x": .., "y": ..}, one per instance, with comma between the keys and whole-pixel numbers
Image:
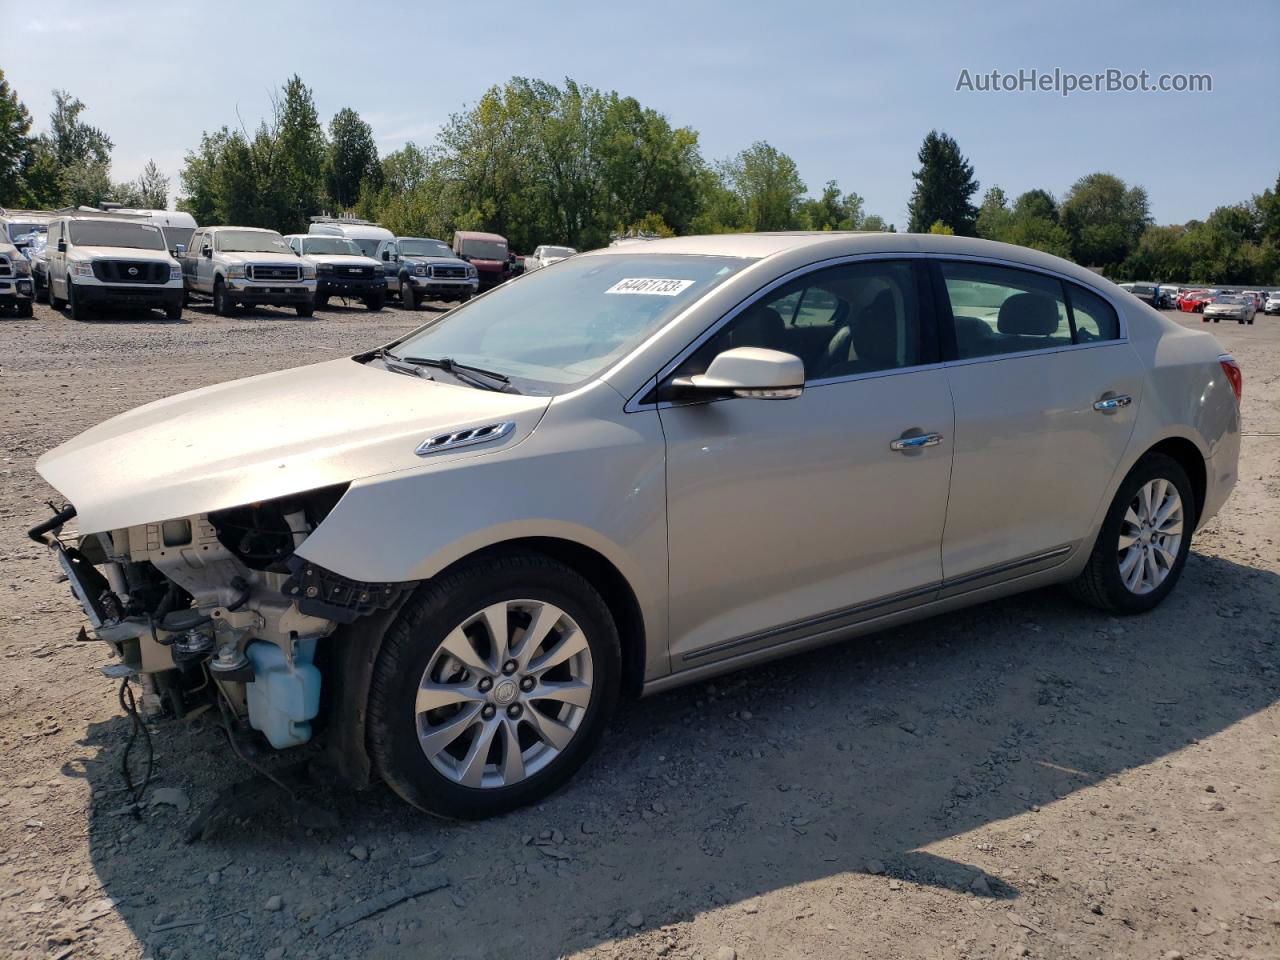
[
  {"x": 268, "y": 436},
  {"x": 238, "y": 257},
  {"x": 121, "y": 253}
]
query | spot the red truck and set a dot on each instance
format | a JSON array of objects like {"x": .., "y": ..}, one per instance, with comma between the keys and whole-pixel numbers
[{"x": 487, "y": 252}]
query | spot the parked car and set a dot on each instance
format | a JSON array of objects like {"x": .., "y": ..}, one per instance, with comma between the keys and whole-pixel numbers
[
  {"x": 1148, "y": 293},
  {"x": 250, "y": 267},
  {"x": 546, "y": 255},
  {"x": 1167, "y": 297},
  {"x": 366, "y": 234},
  {"x": 1273, "y": 303},
  {"x": 1230, "y": 306},
  {"x": 644, "y": 467},
  {"x": 341, "y": 269},
  {"x": 96, "y": 260},
  {"x": 176, "y": 225},
  {"x": 487, "y": 252},
  {"x": 1194, "y": 301},
  {"x": 16, "y": 286},
  {"x": 34, "y": 246},
  {"x": 420, "y": 269}
]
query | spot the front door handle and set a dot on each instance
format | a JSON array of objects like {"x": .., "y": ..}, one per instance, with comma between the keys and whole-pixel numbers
[
  {"x": 1111, "y": 404},
  {"x": 907, "y": 444}
]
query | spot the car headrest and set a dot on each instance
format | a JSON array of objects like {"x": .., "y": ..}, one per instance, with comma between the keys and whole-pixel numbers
[
  {"x": 1029, "y": 314},
  {"x": 875, "y": 335},
  {"x": 759, "y": 327}
]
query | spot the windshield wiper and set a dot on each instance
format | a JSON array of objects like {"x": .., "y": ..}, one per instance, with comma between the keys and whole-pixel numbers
[{"x": 464, "y": 371}]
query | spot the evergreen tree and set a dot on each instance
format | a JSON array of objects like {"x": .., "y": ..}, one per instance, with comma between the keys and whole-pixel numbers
[
  {"x": 944, "y": 188},
  {"x": 352, "y": 161},
  {"x": 17, "y": 146}
]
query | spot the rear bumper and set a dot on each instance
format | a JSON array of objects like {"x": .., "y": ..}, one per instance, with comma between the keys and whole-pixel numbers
[{"x": 92, "y": 294}]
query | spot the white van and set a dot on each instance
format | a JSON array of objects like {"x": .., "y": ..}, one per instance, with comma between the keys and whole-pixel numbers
[
  {"x": 111, "y": 259},
  {"x": 176, "y": 225},
  {"x": 365, "y": 233}
]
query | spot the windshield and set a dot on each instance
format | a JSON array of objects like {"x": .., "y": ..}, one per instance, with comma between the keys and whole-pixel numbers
[
  {"x": 485, "y": 249},
  {"x": 549, "y": 252},
  {"x": 367, "y": 246},
  {"x": 424, "y": 248},
  {"x": 177, "y": 235},
  {"x": 550, "y": 331},
  {"x": 331, "y": 245},
  {"x": 1229, "y": 299},
  {"x": 101, "y": 233},
  {"x": 251, "y": 241},
  {"x": 18, "y": 228}
]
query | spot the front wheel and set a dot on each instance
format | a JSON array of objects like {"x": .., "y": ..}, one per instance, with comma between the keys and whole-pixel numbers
[
  {"x": 173, "y": 311},
  {"x": 305, "y": 309},
  {"x": 493, "y": 686},
  {"x": 223, "y": 306},
  {"x": 321, "y": 301},
  {"x": 79, "y": 312},
  {"x": 408, "y": 295},
  {"x": 24, "y": 309},
  {"x": 1144, "y": 540},
  {"x": 376, "y": 301}
]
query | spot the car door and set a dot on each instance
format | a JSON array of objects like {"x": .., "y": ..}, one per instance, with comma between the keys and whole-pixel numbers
[
  {"x": 57, "y": 259},
  {"x": 793, "y": 517},
  {"x": 1046, "y": 392},
  {"x": 204, "y": 264},
  {"x": 191, "y": 259}
]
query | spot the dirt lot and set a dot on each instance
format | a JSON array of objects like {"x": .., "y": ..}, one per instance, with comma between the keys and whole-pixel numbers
[{"x": 1027, "y": 778}]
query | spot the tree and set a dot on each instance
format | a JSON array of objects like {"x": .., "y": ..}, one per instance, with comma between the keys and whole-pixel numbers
[
  {"x": 153, "y": 188},
  {"x": 941, "y": 228},
  {"x": 16, "y": 145},
  {"x": 292, "y": 156},
  {"x": 1104, "y": 219},
  {"x": 994, "y": 215},
  {"x": 352, "y": 160},
  {"x": 87, "y": 182},
  {"x": 768, "y": 185},
  {"x": 832, "y": 211},
  {"x": 1036, "y": 203},
  {"x": 73, "y": 140},
  {"x": 944, "y": 187}
]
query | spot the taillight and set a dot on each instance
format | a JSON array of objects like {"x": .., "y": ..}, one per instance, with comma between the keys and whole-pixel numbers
[{"x": 1232, "y": 370}]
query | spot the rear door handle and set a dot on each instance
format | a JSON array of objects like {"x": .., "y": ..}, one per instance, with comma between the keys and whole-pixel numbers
[
  {"x": 1111, "y": 404},
  {"x": 907, "y": 444}
]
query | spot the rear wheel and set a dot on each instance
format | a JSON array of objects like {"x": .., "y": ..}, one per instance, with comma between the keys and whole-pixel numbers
[
  {"x": 1144, "y": 540},
  {"x": 492, "y": 686}
]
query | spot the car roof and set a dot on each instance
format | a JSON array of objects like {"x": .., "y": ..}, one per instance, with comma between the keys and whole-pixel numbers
[
  {"x": 477, "y": 235},
  {"x": 246, "y": 229}
]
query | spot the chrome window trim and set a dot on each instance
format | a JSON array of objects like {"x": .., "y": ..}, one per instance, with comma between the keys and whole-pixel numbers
[{"x": 635, "y": 404}]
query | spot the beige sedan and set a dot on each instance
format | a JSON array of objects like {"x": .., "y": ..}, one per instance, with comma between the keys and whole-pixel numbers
[{"x": 633, "y": 469}]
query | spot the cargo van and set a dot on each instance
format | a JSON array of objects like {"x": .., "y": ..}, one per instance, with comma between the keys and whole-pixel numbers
[{"x": 366, "y": 234}]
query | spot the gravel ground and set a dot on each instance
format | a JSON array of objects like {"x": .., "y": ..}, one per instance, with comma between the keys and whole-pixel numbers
[{"x": 1026, "y": 778}]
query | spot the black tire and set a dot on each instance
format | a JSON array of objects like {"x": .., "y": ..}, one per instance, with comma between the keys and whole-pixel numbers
[
  {"x": 42, "y": 294},
  {"x": 55, "y": 301},
  {"x": 222, "y": 306},
  {"x": 321, "y": 301},
  {"x": 186, "y": 297},
  {"x": 408, "y": 296},
  {"x": 305, "y": 309},
  {"x": 376, "y": 301},
  {"x": 435, "y": 609},
  {"x": 1100, "y": 584},
  {"x": 173, "y": 311},
  {"x": 79, "y": 312},
  {"x": 24, "y": 308}
]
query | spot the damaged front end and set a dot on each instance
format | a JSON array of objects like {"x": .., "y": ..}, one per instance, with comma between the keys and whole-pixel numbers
[{"x": 218, "y": 607}]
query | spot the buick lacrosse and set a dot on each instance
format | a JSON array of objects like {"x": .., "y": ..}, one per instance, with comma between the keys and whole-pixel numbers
[{"x": 638, "y": 467}]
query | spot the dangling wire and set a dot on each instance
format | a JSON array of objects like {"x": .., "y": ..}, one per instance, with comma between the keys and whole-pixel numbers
[{"x": 129, "y": 704}]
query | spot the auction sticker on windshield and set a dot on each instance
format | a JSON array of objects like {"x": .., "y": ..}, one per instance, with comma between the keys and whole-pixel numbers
[{"x": 652, "y": 286}]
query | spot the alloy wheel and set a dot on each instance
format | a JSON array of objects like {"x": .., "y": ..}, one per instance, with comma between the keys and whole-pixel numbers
[
  {"x": 504, "y": 694},
  {"x": 1150, "y": 536}
]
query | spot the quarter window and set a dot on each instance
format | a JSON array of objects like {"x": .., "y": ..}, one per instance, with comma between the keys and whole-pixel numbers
[
  {"x": 841, "y": 321},
  {"x": 1095, "y": 319},
  {"x": 997, "y": 310}
]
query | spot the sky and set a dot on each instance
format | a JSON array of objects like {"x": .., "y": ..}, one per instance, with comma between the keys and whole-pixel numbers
[{"x": 848, "y": 90}]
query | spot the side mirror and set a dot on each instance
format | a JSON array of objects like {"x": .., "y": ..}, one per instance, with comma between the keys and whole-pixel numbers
[
  {"x": 179, "y": 249},
  {"x": 207, "y": 253},
  {"x": 62, "y": 246},
  {"x": 386, "y": 255},
  {"x": 747, "y": 372}
]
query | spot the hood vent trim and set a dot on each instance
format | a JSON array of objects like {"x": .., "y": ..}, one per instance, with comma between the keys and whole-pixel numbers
[{"x": 465, "y": 438}]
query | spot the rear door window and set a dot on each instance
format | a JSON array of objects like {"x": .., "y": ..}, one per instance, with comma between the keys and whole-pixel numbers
[
  {"x": 1095, "y": 319},
  {"x": 997, "y": 310}
]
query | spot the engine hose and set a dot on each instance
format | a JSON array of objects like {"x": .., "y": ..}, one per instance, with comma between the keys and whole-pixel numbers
[
  {"x": 130, "y": 706},
  {"x": 240, "y": 584}
]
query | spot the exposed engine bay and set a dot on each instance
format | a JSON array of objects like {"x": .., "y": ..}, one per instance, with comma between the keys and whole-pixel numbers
[{"x": 217, "y": 607}]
